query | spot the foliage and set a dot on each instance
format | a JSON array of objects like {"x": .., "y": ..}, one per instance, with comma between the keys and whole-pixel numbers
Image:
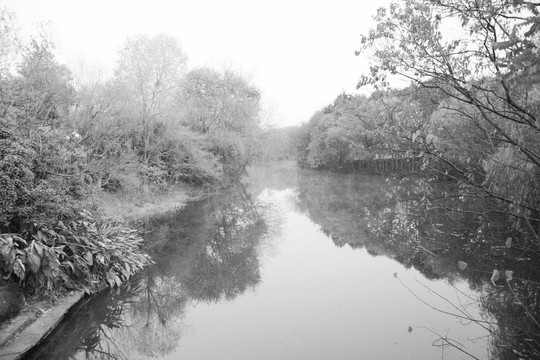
[
  {"x": 38, "y": 181},
  {"x": 78, "y": 254},
  {"x": 160, "y": 126},
  {"x": 356, "y": 128},
  {"x": 138, "y": 131},
  {"x": 486, "y": 129},
  {"x": 148, "y": 73},
  {"x": 225, "y": 108},
  {"x": 185, "y": 156}
]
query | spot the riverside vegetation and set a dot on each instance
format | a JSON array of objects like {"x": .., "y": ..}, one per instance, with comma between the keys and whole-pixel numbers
[
  {"x": 471, "y": 114},
  {"x": 154, "y": 124}
]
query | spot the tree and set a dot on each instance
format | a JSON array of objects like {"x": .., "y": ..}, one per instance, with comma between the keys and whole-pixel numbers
[
  {"x": 489, "y": 77},
  {"x": 357, "y": 128},
  {"x": 100, "y": 122},
  {"x": 148, "y": 72},
  {"x": 225, "y": 108},
  {"x": 39, "y": 94}
]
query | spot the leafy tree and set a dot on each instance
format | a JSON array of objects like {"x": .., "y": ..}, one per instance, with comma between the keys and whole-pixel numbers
[
  {"x": 47, "y": 83},
  {"x": 39, "y": 94},
  {"x": 358, "y": 128},
  {"x": 489, "y": 74},
  {"x": 148, "y": 72},
  {"x": 225, "y": 108}
]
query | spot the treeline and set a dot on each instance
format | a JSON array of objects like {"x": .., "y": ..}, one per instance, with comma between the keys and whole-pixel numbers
[
  {"x": 473, "y": 105},
  {"x": 357, "y": 127},
  {"x": 153, "y": 124}
]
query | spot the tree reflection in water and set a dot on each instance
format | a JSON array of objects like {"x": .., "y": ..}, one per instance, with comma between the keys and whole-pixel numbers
[
  {"x": 387, "y": 218},
  {"x": 207, "y": 252},
  {"x": 211, "y": 252}
]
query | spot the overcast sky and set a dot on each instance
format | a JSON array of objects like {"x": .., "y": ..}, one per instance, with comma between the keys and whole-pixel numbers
[{"x": 299, "y": 53}]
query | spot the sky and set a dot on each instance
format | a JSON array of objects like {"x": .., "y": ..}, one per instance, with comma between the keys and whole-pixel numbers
[{"x": 300, "y": 54}]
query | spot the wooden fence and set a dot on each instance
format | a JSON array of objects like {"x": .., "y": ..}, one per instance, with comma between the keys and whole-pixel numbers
[{"x": 387, "y": 166}]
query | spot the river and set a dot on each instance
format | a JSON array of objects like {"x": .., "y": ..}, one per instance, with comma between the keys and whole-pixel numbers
[{"x": 294, "y": 264}]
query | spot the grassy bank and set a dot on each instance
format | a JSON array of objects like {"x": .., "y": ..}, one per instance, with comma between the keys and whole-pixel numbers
[{"x": 128, "y": 206}]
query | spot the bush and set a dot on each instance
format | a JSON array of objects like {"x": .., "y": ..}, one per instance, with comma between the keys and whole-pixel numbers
[
  {"x": 80, "y": 254},
  {"x": 32, "y": 187}
]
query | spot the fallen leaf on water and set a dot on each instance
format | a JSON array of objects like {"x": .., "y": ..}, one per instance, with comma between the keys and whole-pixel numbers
[
  {"x": 509, "y": 274},
  {"x": 409, "y": 329},
  {"x": 462, "y": 265}
]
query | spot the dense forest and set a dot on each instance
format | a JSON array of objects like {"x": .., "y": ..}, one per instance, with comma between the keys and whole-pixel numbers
[{"x": 153, "y": 124}]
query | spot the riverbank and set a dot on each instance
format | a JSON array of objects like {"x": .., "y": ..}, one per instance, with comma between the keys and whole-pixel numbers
[
  {"x": 129, "y": 207},
  {"x": 38, "y": 317}
]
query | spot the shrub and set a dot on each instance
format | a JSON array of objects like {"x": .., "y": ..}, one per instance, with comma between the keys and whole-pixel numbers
[{"x": 81, "y": 254}]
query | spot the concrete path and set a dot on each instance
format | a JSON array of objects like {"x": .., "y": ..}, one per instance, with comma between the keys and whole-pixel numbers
[{"x": 22, "y": 333}]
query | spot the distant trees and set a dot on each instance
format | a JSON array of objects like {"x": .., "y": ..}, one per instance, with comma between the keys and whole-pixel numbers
[
  {"x": 155, "y": 122},
  {"x": 278, "y": 144},
  {"x": 356, "y": 127},
  {"x": 224, "y": 108}
]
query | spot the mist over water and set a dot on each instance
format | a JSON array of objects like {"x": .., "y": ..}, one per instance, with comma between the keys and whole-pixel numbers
[{"x": 287, "y": 266}]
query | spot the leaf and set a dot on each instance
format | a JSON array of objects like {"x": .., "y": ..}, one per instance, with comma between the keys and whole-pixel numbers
[
  {"x": 509, "y": 275},
  {"x": 6, "y": 250},
  {"x": 462, "y": 265},
  {"x": 70, "y": 264},
  {"x": 38, "y": 246},
  {"x": 41, "y": 236},
  {"x": 19, "y": 269},
  {"x": 20, "y": 239},
  {"x": 88, "y": 258},
  {"x": 35, "y": 262},
  {"x": 509, "y": 243},
  {"x": 495, "y": 276},
  {"x": 409, "y": 329}
]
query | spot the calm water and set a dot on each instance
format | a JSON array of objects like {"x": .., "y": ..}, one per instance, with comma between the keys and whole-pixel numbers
[{"x": 295, "y": 265}]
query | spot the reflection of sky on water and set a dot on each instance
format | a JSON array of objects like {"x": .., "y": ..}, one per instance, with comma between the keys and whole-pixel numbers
[{"x": 318, "y": 301}]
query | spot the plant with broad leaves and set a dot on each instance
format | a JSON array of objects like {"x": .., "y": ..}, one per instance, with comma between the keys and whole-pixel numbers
[{"x": 80, "y": 254}]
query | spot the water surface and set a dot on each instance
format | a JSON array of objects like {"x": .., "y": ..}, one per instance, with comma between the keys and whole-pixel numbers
[{"x": 287, "y": 267}]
